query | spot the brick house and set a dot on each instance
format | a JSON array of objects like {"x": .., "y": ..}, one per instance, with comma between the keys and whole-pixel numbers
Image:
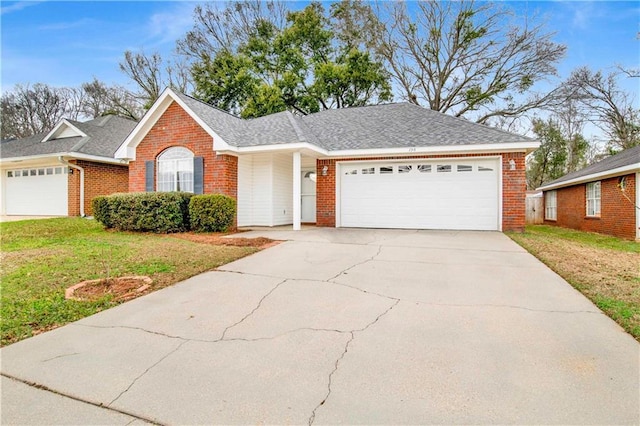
[
  {"x": 60, "y": 172},
  {"x": 603, "y": 197},
  {"x": 385, "y": 166}
]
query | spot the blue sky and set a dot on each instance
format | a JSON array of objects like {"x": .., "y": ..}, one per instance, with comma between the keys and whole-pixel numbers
[{"x": 68, "y": 43}]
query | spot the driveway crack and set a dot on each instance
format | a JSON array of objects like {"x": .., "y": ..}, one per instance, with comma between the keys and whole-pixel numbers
[
  {"x": 254, "y": 309},
  {"x": 342, "y": 355},
  {"x": 356, "y": 264},
  {"x": 145, "y": 372}
]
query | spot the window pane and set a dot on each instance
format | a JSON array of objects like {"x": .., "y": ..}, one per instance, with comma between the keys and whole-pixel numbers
[
  {"x": 175, "y": 170},
  {"x": 40, "y": 172},
  {"x": 49, "y": 171},
  {"x": 464, "y": 168},
  {"x": 385, "y": 170},
  {"x": 9, "y": 173},
  {"x": 444, "y": 168},
  {"x": 405, "y": 169},
  {"x": 484, "y": 169},
  {"x": 369, "y": 171},
  {"x": 33, "y": 172},
  {"x": 424, "y": 168}
]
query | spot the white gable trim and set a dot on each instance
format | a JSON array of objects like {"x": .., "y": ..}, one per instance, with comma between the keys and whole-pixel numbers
[
  {"x": 593, "y": 176},
  {"x": 61, "y": 127},
  {"x": 127, "y": 149}
]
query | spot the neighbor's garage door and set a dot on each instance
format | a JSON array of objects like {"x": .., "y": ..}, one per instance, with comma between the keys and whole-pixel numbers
[
  {"x": 36, "y": 191},
  {"x": 460, "y": 194}
]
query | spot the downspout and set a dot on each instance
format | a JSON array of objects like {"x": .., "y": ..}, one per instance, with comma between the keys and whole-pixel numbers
[{"x": 73, "y": 166}]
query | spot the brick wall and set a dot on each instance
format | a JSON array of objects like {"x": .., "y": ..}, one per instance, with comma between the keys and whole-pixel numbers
[
  {"x": 513, "y": 188},
  {"x": 99, "y": 179},
  {"x": 617, "y": 213},
  {"x": 176, "y": 128}
]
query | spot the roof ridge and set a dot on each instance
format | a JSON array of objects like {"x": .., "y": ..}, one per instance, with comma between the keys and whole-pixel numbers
[
  {"x": 296, "y": 128},
  {"x": 208, "y": 105}
]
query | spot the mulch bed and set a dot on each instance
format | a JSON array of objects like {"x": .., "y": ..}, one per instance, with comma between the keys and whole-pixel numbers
[{"x": 218, "y": 240}]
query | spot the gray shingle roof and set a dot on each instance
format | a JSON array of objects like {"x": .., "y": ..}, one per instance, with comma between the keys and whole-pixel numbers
[
  {"x": 104, "y": 136},
  {"x": 379, "y": 126},
  {"x": 627, "y": 157}
]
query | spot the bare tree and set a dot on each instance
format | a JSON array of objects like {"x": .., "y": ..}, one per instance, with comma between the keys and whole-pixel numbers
[
  {"x": 224, "y": 26},
  {"x": 27, "y": 110},
  {"x": 465, "y": 59},
  {"x": 152, "y": 74},
  {"x": 606, "y": 105},
  {"x": 100, "y": 99}
]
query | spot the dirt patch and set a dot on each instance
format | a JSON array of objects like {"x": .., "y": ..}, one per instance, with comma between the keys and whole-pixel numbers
[
  {"x": 122, "y": 288},
  {"x": 218, "y": 240}
]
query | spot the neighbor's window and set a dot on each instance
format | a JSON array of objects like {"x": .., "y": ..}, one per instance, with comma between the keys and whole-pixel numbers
[
  {"x": 593, "y": 199},
  {"x": 175, "y": 170},
  {"x": 551, "y": 205}
]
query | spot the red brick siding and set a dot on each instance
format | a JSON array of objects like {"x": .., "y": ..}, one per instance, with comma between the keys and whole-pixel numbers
[
  {"x": 176, "y": 128},
  {"x": 99, "y": 179},
  {"x": 617, "y": 213},
  {"x": 513, "y": 188}
]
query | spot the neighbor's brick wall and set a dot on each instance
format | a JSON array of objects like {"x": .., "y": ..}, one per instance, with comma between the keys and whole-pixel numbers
[
  {"x": 176, "y": 128},
  {"x": 99, "y": 179},
  {"x": 617, "y": 214},
  {"x": 513, "y": 188}
]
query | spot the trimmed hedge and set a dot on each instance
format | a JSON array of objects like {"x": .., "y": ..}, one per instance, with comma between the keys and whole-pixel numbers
[
  {"x": 212, "y": 213},
  {"x": 160, "y": 212}
]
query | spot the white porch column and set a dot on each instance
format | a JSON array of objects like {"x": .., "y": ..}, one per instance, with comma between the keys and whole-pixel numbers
[{"x": 297, "y": 195}]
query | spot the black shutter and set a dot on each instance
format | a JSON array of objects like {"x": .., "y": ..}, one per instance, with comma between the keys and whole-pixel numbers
[
  {"x": 198, "y": 175},
  {"x": 149, "y": 174}
]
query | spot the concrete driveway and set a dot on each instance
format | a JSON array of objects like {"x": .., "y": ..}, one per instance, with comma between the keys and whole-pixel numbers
[{"x": 340, "y": 327}]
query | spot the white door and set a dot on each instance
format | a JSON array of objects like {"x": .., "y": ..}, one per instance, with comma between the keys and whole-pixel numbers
[
  {"x": 308, "y": 194},
  {"x": 38, "y": 191},
  {"x": 434, "y": 194}
]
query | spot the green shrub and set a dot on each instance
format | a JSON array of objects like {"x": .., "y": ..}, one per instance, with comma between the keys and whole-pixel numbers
[
  {"x": 160, "y": 212},
  {"x": 101, "y": 210},
  {"x": 212, "y": 213}
]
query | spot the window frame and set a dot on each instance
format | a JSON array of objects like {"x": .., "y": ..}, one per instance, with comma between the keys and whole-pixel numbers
[
  {"x": 175, "y": 165},
  {"x": 551, "y": 205},
  {"x": 593, "y": 199}
]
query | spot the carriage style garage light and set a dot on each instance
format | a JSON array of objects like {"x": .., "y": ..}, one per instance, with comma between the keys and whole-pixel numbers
[
  {"x": 324, "y": 170},
  {"x": 512, "y": 164}
]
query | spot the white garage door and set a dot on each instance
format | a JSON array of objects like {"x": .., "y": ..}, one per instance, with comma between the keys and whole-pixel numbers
[
  {"x": 36, "y": 191},
  {"x": 442, "y": 194}
]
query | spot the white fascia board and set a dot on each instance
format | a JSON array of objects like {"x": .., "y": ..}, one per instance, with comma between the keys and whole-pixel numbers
[
  {"x": 594, "y": 176},
  {"x": 285, "y": 147},
  {"x": 386, "y": 152},
  {"x": 63, "y": 122},
  {"x": 17, "y": 161},
  {"x": 437, "y": 150},
  {"x": 127, "y": 148}
]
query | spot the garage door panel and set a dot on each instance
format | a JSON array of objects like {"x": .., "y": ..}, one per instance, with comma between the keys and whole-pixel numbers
[
  {"x": 466, "y": 199},
  {"x": 39, "y": 191}
]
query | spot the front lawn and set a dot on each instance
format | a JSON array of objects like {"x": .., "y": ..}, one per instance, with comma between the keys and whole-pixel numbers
[
  {"x": 603, "y": 268},
  {"x": 41, "y": 258}
]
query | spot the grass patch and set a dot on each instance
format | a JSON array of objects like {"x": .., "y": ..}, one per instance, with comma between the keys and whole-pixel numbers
[
  {"x": 41, "y": 258},
  {"x": 605, "y": 269}
]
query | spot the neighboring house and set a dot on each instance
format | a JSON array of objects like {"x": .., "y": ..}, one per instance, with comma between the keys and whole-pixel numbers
[
  {"x": 60, "y": 172},
  {"x": 603, "y": 197},
  {"x": 385, "y": 166}
]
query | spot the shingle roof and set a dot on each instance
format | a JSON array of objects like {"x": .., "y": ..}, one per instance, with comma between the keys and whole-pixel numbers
[
  {"x": 627, "y": 157},
  {"x": 104, "y": 136},
  {"x": 378, "y": 126}
]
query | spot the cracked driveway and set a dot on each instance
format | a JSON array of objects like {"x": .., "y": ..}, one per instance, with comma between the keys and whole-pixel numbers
[{"x": 339, "y": 326}]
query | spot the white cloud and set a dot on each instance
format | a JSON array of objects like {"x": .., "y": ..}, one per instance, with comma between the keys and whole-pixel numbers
[
  {"x": 170, "y": 25},
  {"x": 17, "y": 6}
]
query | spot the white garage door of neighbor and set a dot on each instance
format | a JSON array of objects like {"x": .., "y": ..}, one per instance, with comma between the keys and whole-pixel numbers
[
  {"x": 441, "y": 194},
  {"x": 39, "y": 191}
]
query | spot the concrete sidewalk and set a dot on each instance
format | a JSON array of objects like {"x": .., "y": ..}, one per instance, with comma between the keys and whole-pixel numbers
[{"x": 339, "y": 327}]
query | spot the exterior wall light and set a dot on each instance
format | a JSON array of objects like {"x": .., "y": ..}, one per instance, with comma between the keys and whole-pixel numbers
[
  {"x": 325, "y": 169},
  {"x": 512, "y": 164}
]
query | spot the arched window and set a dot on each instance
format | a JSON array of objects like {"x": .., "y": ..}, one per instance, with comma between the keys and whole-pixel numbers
[{"x": 175, "y": 170}]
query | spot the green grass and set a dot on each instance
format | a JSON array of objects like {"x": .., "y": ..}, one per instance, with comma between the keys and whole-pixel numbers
[
  {"x": 605, "y": 269},
  {"x": 41, "y": 258},
  {"x": 587, "y": 238}
]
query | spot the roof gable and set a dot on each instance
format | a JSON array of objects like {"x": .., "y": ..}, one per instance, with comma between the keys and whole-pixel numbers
[
  {"x": 64, "y": 129},
  {"x": 98, "y": 138}
]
